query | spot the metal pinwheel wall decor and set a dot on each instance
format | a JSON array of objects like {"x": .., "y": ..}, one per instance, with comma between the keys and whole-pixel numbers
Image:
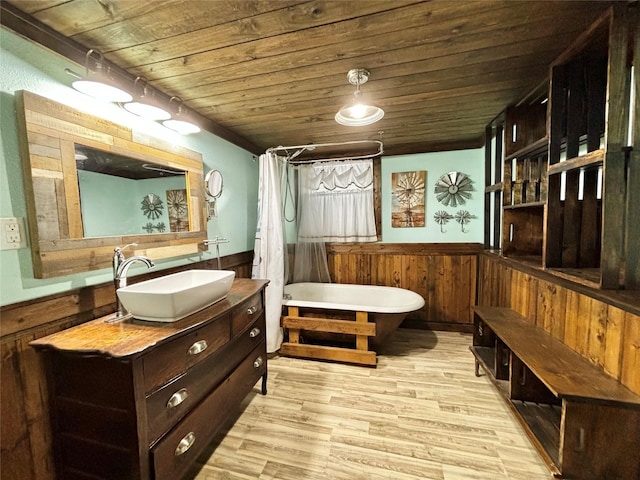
[
  {"x": 152, "y": 206},
  {"x": 463, "y": 217},
  {"x": 150, "y": 227},
  {"x": 442, "y": 217},
  {"x": 453, "y": 189}
]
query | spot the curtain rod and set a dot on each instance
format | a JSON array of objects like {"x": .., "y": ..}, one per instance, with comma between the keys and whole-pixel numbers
[{"x": 312, "y": 146}]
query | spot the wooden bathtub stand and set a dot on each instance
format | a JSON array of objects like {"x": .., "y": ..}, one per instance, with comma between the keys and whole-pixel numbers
[{"x": 294, "y": 323}]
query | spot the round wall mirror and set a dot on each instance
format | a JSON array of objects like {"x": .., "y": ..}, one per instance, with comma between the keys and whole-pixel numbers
[{"x": 213, "y": 183}]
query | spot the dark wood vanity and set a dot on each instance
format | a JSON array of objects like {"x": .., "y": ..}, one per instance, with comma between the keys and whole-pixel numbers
[{"x": 141, "y": 400}]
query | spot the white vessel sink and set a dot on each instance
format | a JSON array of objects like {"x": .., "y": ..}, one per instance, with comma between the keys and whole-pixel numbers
[{"x": 172, "y": 297}]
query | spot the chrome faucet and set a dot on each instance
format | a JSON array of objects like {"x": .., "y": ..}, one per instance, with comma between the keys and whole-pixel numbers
[{"x": 120, "y": 269}]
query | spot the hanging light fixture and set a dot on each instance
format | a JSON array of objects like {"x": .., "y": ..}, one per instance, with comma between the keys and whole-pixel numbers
[
  {"x": 357, "y": 113},
  {"x": 180, "y": 120},
  {"x": 98, "y": 83},
  {"x": 145, "y": 104}
]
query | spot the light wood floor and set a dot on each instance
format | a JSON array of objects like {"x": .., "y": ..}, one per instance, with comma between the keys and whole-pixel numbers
[{"x": 421, "y": 414}]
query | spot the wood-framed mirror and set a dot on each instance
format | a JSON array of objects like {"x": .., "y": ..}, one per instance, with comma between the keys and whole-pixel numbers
[{"x": 71, "y": 227}]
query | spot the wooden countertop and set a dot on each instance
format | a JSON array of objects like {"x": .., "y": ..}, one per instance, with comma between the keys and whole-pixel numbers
[{"x": 129, "y": 337}]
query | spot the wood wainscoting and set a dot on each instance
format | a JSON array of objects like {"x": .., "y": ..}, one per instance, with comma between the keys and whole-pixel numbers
[
  {"x": 601, "y": 325},
  {"x": 444, "y": 274},
  {"x": 25, "y": 438}
]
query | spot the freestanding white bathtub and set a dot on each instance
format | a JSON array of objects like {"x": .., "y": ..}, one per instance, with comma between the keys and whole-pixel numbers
[{"x": 325, "y": 309}]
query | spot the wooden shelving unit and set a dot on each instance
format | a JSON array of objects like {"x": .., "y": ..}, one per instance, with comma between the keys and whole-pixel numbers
[
  {"x": 564, "y": 171},
  {"x": 524, "y": 176},
  {"x": 589, "y": 160},
  {"x": 494, "y": 148},
  {"x": 524, "y": 205}
]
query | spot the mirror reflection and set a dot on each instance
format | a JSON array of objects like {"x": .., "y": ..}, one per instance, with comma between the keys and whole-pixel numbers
[{"x": 121, "y": 195}]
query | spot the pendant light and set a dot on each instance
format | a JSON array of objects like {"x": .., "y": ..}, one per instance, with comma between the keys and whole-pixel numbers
[
  {"x": 98, "y": 83},
  {"x": 180, "y": 121},
  {"x": 145, "y": 104},
  {"x": 357, "y": 113}
]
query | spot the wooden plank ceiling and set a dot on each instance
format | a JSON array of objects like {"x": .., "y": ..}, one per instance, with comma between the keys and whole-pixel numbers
[{"x": 273, "y": 72}]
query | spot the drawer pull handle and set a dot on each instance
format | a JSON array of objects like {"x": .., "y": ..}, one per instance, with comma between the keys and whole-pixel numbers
[
  {"x": 252, "y": 309},
  {"x": 185, "y": 444},
  {"x": 257, "y": 363},
  {"x": 177, "y": 398},
  {"x": 254, "y": 332},
  {"x": 198, "y": 347},
  {"x": 523, "y": 378},
  {"x": 581, "y": 440}
]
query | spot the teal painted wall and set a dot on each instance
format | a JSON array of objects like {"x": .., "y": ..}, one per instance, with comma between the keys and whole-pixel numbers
[
  {"x": 469, "y": 162},
  {"x": 27, "y": 66}
]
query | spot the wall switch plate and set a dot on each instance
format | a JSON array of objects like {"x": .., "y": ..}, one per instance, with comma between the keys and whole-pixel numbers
[{"x": 12, "y": 233}]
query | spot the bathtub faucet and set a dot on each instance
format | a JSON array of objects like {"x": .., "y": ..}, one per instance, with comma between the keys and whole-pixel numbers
[{"x": 287, "y": 296}]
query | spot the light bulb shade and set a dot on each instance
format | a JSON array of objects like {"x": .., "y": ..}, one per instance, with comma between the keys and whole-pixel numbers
[
  {"x": 181, "y": 121},
  {"x": 100, "y": 87},
  {"x": 181, "y": 126},
  {"x": 145, "y": 104},
  {"x": 97, "y": 82},
  {"x": 147, "y": 110},
  {"x": 358, "y": 114}
]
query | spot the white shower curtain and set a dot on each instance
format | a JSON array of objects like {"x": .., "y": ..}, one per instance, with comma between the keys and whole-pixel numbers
[
  {"x": 335, "y": 204},
  {"x": 269, "y": 254}
]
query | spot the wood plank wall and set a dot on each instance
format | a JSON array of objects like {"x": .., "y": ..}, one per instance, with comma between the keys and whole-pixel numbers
[
  {"x": 25, "y": 441},
  {"x": 603, "y": 327},
  {"x": 443, "y": 274}
]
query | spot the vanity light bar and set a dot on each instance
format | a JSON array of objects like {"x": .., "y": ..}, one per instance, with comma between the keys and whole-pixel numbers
[{"x": 100, "y": 85}]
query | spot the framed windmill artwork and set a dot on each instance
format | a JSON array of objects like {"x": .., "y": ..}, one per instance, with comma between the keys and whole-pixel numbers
[
  {"x": 178, "y": 210},
  {"x": 407, "y": 199}
]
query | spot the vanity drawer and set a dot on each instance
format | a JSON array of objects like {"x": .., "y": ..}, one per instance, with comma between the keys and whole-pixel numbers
[
  {"x": 174, "y": 400},
  {"x": 175, "y": 453},
  {"x": 245, "y": 314},
  {"x": 170, "y": 360}
]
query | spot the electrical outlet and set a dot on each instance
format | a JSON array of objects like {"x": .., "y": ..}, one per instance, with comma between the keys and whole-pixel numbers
[{"x": 12, "y": 233}]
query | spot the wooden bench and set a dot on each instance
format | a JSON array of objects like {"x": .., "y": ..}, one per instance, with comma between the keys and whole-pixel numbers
[{"x": 584, "y": 423}]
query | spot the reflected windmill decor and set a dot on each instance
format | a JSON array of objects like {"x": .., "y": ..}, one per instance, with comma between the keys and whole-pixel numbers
[
  {"x": 453, "y": 189},
  {"x": 152, "y": 206},
  {"x": 178, "y": 210}
]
